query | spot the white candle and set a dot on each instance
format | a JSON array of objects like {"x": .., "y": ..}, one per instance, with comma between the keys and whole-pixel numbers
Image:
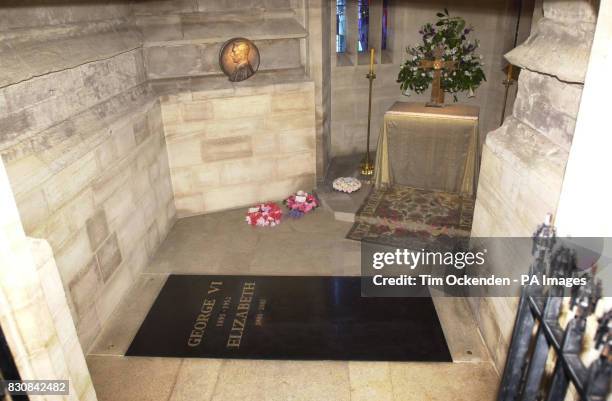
[{"x": 372, "y": 60}]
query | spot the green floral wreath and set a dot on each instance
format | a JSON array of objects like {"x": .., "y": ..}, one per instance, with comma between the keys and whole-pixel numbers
[{"x": 450, "y": 34}]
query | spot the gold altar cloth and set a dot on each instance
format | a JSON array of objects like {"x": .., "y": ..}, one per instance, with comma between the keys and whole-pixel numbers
[{"x": 428, "y": 147}]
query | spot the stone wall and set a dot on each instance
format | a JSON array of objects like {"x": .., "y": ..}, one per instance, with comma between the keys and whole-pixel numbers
[
  {"x": 34, "y": 314},
  {"x": 319, "y": 69},
  {"x": 84, "y": 148},
  {"x": 184, "y": 39},
  {"x": 495, "y": 24},
  {"x": 226, "y": 141},
  {"x": 40, "y": 37},
  {"x": 237, "y": 146},
  {"x": 83, "y": 137},
  {"x": 584, "y": 202},
  {"x": 523, "y": 161}
]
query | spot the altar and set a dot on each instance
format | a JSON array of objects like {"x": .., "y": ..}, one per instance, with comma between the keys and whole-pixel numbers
[{"x": 433, "y": 148}]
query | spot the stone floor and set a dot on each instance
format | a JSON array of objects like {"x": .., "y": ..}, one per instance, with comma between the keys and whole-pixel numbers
[{"x": 313, "y": 245}]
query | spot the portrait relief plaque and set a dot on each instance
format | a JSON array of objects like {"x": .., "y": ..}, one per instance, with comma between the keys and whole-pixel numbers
[{"x": 239, "y": 59}]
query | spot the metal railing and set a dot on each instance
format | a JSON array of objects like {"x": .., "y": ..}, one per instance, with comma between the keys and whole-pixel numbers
[{"x": 538, "y": 333}]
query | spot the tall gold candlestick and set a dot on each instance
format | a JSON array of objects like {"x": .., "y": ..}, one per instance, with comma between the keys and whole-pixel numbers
[
  {"x": 508, "y": 82},
  {"x": 367, "y": 167}
]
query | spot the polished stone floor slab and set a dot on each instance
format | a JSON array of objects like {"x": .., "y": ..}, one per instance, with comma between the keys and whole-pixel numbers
[{"x": 287, "y": 317}]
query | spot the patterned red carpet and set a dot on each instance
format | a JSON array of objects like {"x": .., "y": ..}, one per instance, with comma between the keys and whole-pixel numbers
[{"x": 414, "y": 218}]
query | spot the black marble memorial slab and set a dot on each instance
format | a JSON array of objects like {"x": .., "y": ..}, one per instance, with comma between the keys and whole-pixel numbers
[{"x": 280, "y": 317}]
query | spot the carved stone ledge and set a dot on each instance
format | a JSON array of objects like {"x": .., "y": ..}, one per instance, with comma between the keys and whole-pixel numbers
[
  {"x": 558, "y": 48},
  {"x": 33, "y": 54},
  {"x": 548, "y": 105},
  {"x": 527, "y": 150}
]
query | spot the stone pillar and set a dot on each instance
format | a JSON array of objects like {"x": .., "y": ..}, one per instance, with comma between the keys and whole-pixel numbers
[
  {"x": 523, "y": 162},
  {"x": 584, "y": 204},
  {"x": 34, "y": 313},
  {"x": 319, "y": 48}
]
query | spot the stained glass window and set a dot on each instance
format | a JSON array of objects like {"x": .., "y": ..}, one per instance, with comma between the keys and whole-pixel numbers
[
  {"x": 385, "y": 15},
  {"x": 340, "y": 26},
  {"x": 363, "y": 16},
  {"x": 363, "y": 25}
]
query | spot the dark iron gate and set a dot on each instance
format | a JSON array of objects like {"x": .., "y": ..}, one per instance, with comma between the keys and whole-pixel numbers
[
  {"x": 8, "y": 370},
  {"x": 539, "y": 308}
]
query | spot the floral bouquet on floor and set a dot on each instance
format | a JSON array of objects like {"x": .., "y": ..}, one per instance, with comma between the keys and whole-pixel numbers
[
  {"x": 346, "y": 184},
  {"x": 301, "y": 203},
  {"x": 264, "y": 215}
]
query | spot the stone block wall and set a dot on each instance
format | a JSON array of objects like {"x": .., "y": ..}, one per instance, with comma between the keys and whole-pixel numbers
[
  {"x": 184, "y": 39},
  {"x": 39, "y": 37},
  {"x": 104, "y": 212},
  {"x": 319, "y": 69},
  {"x": 234, "y": 147},
  {"x": 83, "y": 136},
  {"x": 523, "y": 161},
  {"x": 83, "y": 144},
  {"x": 34, "y": 314}
]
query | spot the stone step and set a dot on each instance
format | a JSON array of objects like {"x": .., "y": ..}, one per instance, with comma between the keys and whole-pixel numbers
[
  {"x": 343, "y": 205},
  {"x": 179, "y": 45},
  {"x": 197, "y": 28},
  {"x": 158, "y": 7},
  {"x": 201, "y": 59},
  {"x": 32, "y": 52},
  {"x": 217, "y": 83}
]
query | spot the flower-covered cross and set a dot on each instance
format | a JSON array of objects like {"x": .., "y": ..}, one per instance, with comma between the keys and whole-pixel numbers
[
  {"x": 437, "y": 64},
  {"x": 427, "y": 65}
]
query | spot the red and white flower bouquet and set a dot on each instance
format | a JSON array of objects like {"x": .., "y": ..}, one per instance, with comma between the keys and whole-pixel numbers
[
  {"x": 301, "y": 203},
  {"x": 264, "y": 215}
]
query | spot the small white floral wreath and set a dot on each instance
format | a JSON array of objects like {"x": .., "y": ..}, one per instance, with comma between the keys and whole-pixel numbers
[{"x": 346, "y": 184}]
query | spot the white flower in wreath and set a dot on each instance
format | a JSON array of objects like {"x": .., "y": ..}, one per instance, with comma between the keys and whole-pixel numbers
[{"x": 468, "y": 73}]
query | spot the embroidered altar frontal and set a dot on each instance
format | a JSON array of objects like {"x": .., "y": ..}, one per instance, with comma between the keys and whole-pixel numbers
[
  {"x": 429, "y": 148},
  {"x": 281, "y": 317}
]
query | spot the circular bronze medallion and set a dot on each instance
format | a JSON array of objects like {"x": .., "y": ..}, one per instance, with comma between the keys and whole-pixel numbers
[{"x": 239, "y": 59}]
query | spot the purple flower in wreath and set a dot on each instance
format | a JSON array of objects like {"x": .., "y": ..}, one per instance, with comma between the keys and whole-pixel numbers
[{"x": 295, "y": 213}]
